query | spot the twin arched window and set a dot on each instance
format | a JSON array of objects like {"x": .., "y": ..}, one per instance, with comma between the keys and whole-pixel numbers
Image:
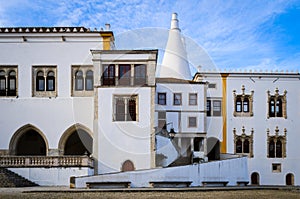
[
  {"x": 8, "y": 85},
  {"x": 45, "y": 83},
  {"x": 80, "y": 84}
]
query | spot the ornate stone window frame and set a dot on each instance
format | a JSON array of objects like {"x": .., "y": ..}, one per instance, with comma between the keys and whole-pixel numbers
[
  {"x": 45, "y": 70},
  {"x": 276, "y": 137},
  {"x": 7, "y": 70},
  {"x": 243, "y": 97},
  {"x": 84, "y": 69},
  {"x": 244, "y": 137},
  {"x": 277, "y": 96}
]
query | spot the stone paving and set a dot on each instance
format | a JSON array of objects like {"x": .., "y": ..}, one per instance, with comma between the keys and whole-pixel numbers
[{"x": 199, "y": 192}]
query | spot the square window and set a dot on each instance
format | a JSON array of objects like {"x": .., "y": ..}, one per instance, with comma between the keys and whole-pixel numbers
[
  {"x": 212, "y": 85},
  {"x": 177, "y": 99},
  {"x": 162, "y": 98},
  {"x": 276, "y": 167},
  {"x": 217, "y": 107},
  {"x": 193, "y": 99},
  {"x": 192, "y": 121},
  {"x": 125, "y": 108}
]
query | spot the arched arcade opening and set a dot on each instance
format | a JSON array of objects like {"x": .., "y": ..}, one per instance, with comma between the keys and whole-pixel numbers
[
  {"x": 28, "y": 141},
  {"x": 76, "y": 140}
]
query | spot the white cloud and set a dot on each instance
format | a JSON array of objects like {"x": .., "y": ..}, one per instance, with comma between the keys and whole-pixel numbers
[{"x": 234, "y": 33}]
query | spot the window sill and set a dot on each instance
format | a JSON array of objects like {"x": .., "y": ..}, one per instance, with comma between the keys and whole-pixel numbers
[
  {"x": 242, "y": 114},
  {"x": 44, "y": 94}
]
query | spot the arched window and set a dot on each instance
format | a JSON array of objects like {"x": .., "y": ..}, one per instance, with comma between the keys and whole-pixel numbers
[
  {"x": 50, "y": 81},
  {"x": 89, "y": 80},
  {"x": 127, "y": 166},
  {"x": 2, "y": 83},
  {"x": 40, "y": 81},
  {"x": 246, "y": 105},
  {"x": 277, "y": 104},
  {"x": 239, "y": 146},
  {"x": 279, "y": 107},
  {"x": 238, "y": 104},
  {"x": 246, "y": 146},
  {"x": 11, "y": 87},
  {"x": 272, "y": 107},
  {"x": 272, "y": 149},
  {"x": 244, "y": 142},
  {"x": 79, "y": 80},
  {"x": 276, "y": 144},
  {"x": 278, "y": 149}
]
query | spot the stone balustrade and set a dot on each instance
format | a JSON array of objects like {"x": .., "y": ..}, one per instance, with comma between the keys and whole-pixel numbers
[{"x": 46, "y": 161}]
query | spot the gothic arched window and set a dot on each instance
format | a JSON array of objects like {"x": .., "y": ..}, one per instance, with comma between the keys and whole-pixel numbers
[
  {"x": 89, "y": 80},
  {"x": 40, "y": 81},
  {"x": 50, "y": 86},
  {"x": 79, "y": 80}
]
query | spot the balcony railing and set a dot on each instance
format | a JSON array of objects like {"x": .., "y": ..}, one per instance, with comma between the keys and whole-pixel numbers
[
  {"x": 46, "y": 161},
  {"x": 124, "y": 81}
]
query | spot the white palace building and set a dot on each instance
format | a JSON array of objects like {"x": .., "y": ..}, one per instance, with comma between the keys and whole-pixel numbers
[{"x": 76, "y": 111}]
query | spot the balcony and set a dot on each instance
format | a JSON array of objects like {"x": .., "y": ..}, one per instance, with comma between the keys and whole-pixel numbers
[
  {"x": 124, "y": 81},
  {"x": 46, "y": 161}
]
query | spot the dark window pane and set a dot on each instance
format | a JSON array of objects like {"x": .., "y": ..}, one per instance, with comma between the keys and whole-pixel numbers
[
  {"x": 40, "y": 81},
  {"x": 278, "y": 149},
  {"x": 140, "y": 74},
  {"x": 197, "y": 144},
  {"x": 161, "y": 115},
  {"x": 279, "y": 108},
  {"x": 161, "y": 98},
  {"x": 217, "y": 108},
  {"x": 2, "y": 84},
  {"x": 208, "y": 108},
  {"x": 271, "y": 149},
  {"x": 239, "y": 146},
  {"x": 272, "y": 107},
  {"x": 89, "y": 80},
  {"x": 79, "y": 81},
  {"x": 124, "y": 74},
  {"x": 108, "y": 77},
  {"x": 238, "y": 105},
  {"x": 132, "y": 110},
  {"x": 120, "y": 110},
  {"x": 246, "y": 105},
  {"x": 177, "y": 99},
  {"x": 193, "y": 99},
  {"x": 246, "y": 146},
  {"x": 192, "y": 122},
  {"x": 50, "y": 81}
]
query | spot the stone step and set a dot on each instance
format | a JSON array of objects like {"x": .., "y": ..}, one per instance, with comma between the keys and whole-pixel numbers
[{"x": 11, "y": 179}]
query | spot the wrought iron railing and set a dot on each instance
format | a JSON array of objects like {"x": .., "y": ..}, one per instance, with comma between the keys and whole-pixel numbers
[{"x": 46, "y": 161}]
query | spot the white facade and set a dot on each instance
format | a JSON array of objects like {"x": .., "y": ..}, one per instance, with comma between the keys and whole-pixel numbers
[
  {"x": 130, "y": 137},
  {"x": 53, "y": 112},
  {"x": 258, "y": 120}
]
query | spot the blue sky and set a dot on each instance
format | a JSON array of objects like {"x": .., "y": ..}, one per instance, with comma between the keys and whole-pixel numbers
[{"x": 243, "y": 34}]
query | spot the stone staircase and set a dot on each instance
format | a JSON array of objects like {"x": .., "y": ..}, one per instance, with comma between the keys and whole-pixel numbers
[{"x": 11, "y": 179}]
